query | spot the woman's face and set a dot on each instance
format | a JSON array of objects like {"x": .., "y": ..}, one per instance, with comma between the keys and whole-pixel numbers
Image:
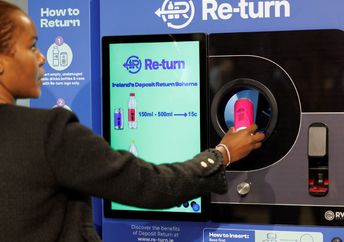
[{"x": 23, "y": 67}]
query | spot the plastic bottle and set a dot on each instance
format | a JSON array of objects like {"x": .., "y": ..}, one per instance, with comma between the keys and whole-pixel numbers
[
  {"x": 132, "y": 112},
  {"x": 132, "y": 148}
]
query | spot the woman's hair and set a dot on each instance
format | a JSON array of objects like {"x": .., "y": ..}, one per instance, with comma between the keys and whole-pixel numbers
[{"x": 7, "y": 23}]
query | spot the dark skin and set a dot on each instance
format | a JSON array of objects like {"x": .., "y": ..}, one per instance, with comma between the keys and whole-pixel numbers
[
  {"x": 22, "y": 67},
  {"x": 241, "y": 143},
  {"x": 21, "y": 71}
]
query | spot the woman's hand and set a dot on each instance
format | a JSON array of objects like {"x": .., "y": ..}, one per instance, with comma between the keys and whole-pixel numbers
[{"x": 240, "y": 143}]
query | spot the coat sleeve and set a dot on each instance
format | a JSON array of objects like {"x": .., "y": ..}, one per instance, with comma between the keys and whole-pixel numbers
[{"x": 84, "y": 162}]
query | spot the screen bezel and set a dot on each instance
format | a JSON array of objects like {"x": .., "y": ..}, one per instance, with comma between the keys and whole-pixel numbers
[{"x": 106, "y": 42}]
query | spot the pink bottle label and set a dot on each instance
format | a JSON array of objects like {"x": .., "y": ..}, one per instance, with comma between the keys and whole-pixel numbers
[
  {"x": 131, "y": 114},
  {"x": 243, "y": 113}
]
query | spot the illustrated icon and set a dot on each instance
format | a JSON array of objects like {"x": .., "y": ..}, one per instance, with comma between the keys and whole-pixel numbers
[
  {"x": 132, "y": 148},
  {"x": 133, "y": 64},
  {"x": 177, "y": 14},
  {"x": 59, "y": 55},
  {"x": 118, "y": 118},
  {"x": 132, "y": 111}
]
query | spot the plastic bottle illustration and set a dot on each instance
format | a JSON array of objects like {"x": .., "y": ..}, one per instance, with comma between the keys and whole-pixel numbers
[
  {"x": 132, "y": 148},
  {"x": 132, "y": 112},
  {"x": 118, "y": 118},
  {"x": 56, "y": 59},
  {"x": 64, "y": 58},
  {"x": 271, "y": 237}
]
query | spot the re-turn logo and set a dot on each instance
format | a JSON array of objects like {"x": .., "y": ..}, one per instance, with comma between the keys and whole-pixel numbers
[
  {"x": 178, "y": 14},
  {"x": 133, "y": 64}
]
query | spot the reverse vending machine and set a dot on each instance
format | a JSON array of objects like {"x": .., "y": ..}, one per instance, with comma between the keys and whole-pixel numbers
[{"x": 295, "y": 81}]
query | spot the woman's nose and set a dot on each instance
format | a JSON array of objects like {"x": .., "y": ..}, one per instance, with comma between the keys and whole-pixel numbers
[{"x": 41, "y": 58}]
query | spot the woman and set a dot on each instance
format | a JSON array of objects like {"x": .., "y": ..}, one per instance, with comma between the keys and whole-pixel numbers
[{"x": 51, "y": 164}]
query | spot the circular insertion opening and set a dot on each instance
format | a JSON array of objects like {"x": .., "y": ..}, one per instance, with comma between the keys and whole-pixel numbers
[
  {"x": 259, "y": 104},
  {"x": 241, "y": 103}
]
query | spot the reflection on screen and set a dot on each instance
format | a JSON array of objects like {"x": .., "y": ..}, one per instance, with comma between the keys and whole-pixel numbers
[{"x": 155, "y": 104}]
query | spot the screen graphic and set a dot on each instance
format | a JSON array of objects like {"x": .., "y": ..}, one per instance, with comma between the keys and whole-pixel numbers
[{"x": 155, "y": 103}]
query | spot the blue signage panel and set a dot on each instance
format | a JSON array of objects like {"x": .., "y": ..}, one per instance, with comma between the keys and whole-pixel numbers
[
  {"x": 173, "y": 231},
  {"x": 65, "y": 38},
  {"x": 212, "y": 16}
]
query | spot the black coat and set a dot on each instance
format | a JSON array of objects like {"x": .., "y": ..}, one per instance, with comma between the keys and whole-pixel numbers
[{"x": 50, "y": 165}]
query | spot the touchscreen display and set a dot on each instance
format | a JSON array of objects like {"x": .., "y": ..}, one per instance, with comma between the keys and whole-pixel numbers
[{"x": 154, "y": 105}]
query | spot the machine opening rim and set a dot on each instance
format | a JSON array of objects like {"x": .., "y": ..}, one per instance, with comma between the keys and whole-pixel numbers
[{"x": 232, "y": 88}]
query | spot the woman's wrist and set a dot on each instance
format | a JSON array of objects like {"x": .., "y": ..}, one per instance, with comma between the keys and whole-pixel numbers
[{"x": 225, "y": 153}]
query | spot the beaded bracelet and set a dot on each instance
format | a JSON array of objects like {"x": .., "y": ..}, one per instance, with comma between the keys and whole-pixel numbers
[{"x": 227, "y": 151}]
